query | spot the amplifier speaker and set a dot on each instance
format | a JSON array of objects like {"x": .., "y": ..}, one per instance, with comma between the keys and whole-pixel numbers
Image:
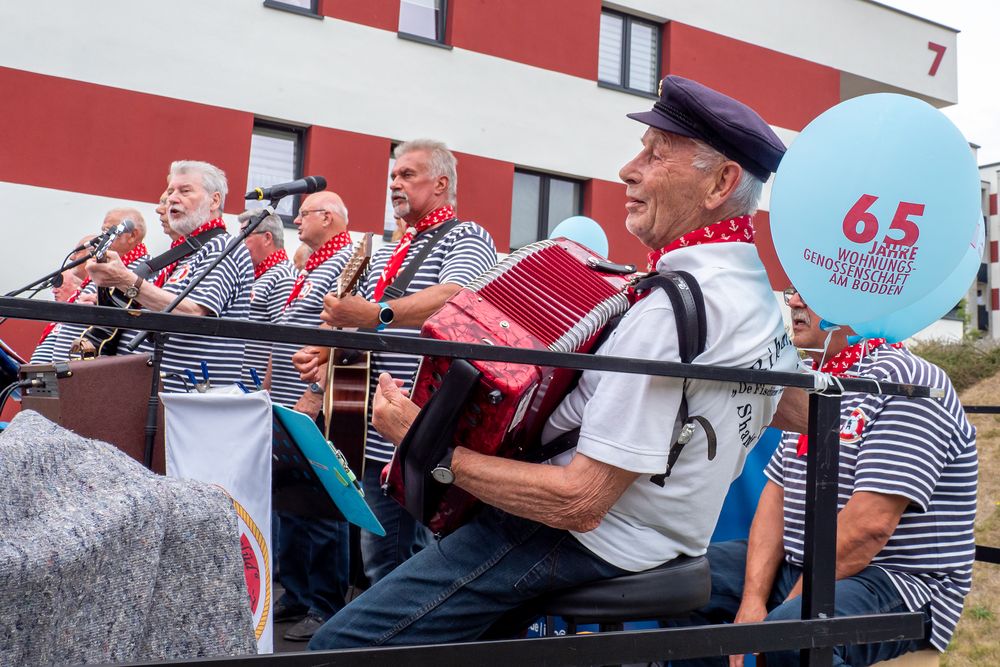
[{"x": 104, "y": 398}]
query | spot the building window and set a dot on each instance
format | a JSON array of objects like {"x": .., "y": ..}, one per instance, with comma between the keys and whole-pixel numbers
[
  {"x": 540, "y": 203},
  {"x": 275, "y": 157},
  {"x": 389, "y": 223},
  {"x": 307, "y": 7},
  {"x": 424, "y": 19},
  {"x": 629, "y": 53}
]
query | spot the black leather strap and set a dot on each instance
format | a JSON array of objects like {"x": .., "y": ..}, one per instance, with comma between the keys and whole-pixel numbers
[
  {"x": 190, "y": 246},
  {"x": 402, "y": 281}
]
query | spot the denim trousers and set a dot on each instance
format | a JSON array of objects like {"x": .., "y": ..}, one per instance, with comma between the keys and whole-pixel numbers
[
  {"x": 313, "y": 554},
  {"x": 868, "y": 592},
  {"x": 404, "y": 536},
  {"x": 457, "y": 588}
]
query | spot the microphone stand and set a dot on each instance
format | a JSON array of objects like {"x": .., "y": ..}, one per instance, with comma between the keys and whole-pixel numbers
[{"x": 159, "y": 339}]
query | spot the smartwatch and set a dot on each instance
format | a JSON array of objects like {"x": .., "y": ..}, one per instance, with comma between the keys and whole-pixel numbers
[
  {"x": 315, "y": 388},
  {"x": 442, "y": 472},
  {"x": 132, "y": 290},
  {"x": 385, "y": 315}
]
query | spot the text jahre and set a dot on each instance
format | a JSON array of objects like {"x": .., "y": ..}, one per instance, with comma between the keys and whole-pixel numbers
[{"x": 893, "y": 250}]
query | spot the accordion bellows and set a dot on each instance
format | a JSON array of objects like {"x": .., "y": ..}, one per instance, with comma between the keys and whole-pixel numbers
[{"x": 549, "y": 295}]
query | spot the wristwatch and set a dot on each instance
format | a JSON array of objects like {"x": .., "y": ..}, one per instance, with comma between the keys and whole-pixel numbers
[
  {"x": 385, "y": 316},
  {"x": 132, "y": 290},
  {"x": 315, "y": 388},
  {"x": 442, "y": 472}
]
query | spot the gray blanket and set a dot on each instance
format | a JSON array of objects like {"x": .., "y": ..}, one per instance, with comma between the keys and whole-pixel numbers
[{"x": 103, "y": 561}]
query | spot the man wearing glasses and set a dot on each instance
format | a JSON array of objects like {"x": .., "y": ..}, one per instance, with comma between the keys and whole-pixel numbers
[
  {"x": 907, "y": 502},
  {"x": 313, "y": 553}
]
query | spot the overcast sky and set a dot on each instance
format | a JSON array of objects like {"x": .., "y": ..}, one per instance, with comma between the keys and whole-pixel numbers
[{"x": 977, "y": 113}]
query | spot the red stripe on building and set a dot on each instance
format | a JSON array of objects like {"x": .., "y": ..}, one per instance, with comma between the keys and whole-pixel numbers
[
  {"x": 787, "y": 91},
  {"x": 995, "y": 299},
  {"x": 993, "y": 204},
  {"x": 383, "y": 14},
  {"x": 765, "y": 248},
  {"x": 558, "y": 35},
  {"x": 604, "y": 201},
  {"x": 485, "y": 188},
  {"x": 356, "y": 166},
  {"x": 82, "y": 137},
  {"x": 994, "y": 252}
]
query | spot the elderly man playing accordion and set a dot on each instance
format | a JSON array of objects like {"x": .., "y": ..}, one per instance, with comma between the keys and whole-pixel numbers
[{"x": 595, "y": 512}]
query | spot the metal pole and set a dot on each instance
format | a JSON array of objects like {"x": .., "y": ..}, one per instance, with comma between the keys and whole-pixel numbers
[{"x": 819, "y": 559}]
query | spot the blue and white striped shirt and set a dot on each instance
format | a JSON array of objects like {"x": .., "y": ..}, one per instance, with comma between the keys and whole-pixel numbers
[
  {"x": 267, "y": 299},
  {"x": 462, "y": 255},
  {"x": 922, "y": 449}
]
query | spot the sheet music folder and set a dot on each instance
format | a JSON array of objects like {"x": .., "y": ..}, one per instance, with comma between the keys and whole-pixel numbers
[{"x": 295, "y": 477}]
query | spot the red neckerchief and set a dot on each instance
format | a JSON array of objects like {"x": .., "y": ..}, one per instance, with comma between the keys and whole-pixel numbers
[
  {"x": 725, "y": 231},
  {"x": 129, "y": 257},
  {"x": 435, "y": 217},
  {"x": 838, "y": 365},
  {"x": 161, "y": 278},
  {"x": 269, "y": 262},
  {"x": 323, "y": 253}
]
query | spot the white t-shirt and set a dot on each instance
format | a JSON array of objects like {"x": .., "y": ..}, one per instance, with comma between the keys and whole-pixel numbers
[{"x": 628, "y": 420}]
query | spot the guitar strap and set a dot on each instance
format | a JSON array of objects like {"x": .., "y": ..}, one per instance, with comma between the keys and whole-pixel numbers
[{"x": 106, "y": 340}]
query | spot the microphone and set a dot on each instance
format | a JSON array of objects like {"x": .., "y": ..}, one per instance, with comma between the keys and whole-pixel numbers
[
  {"x": 107, "y": 238},
  {"x": 89, "y": 244},
  {"x": 307, "y": 185}
]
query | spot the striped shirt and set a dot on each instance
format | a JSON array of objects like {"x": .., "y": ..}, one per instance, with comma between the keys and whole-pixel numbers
[
  {"x": 286, "y": 387},
  {"x": 267, "y": 299},
  {"x": 922, "y": 449},
  {"x": 225, "y": 292},
  {"x": 462, "y": 255}
]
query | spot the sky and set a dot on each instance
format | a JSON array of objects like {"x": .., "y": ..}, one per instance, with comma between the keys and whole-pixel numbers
[{"x": 977, "y": 113}]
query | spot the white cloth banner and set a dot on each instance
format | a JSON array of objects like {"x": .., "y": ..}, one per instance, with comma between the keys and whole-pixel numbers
[{"x": 225, "y": 438}]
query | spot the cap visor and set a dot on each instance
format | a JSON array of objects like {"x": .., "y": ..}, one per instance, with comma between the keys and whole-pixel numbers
[{"x": 655, "y": 119}]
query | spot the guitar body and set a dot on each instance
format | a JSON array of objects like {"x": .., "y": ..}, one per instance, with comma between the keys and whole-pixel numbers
[{"x": 346, "y": 404}]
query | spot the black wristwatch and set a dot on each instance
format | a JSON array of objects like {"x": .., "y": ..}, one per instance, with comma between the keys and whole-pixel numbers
[
  {"x": 385, "y": 315},
  {"x": 442, "y": 472}
]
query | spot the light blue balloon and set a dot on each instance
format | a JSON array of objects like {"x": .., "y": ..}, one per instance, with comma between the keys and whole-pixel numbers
[
  {"x": 585, "y": 231},
  {"x": 896, "y": 149},
  {"x": 907, "y": 321}
]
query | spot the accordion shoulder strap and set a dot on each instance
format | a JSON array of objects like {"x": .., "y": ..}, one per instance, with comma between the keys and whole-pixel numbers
[{"x": 402, "y": 281}]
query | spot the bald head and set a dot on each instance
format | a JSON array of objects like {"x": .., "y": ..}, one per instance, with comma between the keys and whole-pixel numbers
[
  {"x": 322, "y": 216},
  {"x": 125, "y": 242}
]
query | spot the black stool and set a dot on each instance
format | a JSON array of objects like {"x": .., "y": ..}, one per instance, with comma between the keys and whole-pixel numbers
[{"x": 668, "y": 591}]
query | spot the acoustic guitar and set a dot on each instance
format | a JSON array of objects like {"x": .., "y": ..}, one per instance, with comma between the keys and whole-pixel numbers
[{"x": 345, "y": 403}]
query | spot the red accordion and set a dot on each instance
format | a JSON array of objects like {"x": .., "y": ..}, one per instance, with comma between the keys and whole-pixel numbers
[{"x": 552, "y": 295}]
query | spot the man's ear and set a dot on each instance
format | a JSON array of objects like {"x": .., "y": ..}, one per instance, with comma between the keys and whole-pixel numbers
[
  {"x": 726, "y": 178},
  {"x": 441, "y": 185},
  {"x": 217, "y": 202}
]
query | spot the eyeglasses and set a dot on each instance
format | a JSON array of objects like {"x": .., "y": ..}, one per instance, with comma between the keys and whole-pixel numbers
[
  {"x": 788, "y": 294},
  {"x": 304, "y": 212}
]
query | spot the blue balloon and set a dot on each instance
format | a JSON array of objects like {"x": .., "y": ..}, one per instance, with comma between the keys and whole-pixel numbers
[
  {"x": 907, "y": 321},
  {"x": 873, "y": 206},
  {"x": 585, "y": 231}
]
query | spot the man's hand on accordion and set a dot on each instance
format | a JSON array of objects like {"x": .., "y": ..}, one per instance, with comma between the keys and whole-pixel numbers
[
  {"x": 308, "y": 361},
  {"x": 392, "y": 410}
]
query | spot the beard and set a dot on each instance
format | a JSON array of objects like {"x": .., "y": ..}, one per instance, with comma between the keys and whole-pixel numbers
[
  {"x": 186, "y": 223},
  {"x": 400, "y": 206}
]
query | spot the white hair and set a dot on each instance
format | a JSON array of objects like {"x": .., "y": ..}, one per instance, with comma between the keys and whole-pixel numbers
[
  {"x": 442, "y": 162},
  {"x": 213, "y": 179},
  {"x": 746, "y": 194},
  {"x": 271, "y": 223}
]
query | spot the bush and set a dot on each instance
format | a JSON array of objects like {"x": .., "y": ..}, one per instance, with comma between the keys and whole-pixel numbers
[{"x": 966, "y": 362}]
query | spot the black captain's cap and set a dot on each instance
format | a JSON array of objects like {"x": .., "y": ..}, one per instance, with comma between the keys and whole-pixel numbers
[{"x": 690, "y": 109}]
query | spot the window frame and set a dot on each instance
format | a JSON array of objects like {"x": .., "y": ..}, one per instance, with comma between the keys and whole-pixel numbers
[
  {"x": 545, "y": 179},
  {"x": 313, "y": 10},
  {"x": 299, "y": 162},
  {"x": 441, "y": 28},
  {"x": 626, "y": 54}
]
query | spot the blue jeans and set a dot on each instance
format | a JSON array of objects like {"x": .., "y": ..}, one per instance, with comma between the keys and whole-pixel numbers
[
  {"x": 314, "y": 563},
  {"x": 404, "y": 535},
  {"x": 868, "y": 592},
  {"x": 456, "y": 589}
]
